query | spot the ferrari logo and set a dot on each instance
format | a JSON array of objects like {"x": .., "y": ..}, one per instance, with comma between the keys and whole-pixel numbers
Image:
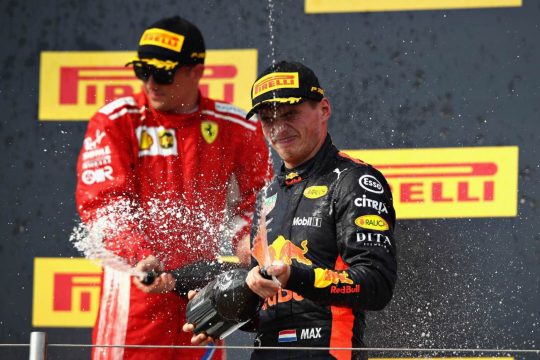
[{"x": 209, "y": 131}]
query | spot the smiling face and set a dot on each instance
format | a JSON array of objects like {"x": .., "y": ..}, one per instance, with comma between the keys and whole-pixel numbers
[
  {"x": 296, "y": 132},
  {"x": 178, "y": 97}
]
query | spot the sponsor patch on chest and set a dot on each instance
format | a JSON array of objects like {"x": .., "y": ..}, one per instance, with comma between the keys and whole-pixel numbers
[
  {"x": 156, "y": 141},
  {"x": 315, "y": 192},
  {"x": 307, "y": 221}
]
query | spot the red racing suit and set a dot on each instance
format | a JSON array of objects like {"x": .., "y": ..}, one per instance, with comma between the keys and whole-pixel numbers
[{"x": 162, "y": 183}]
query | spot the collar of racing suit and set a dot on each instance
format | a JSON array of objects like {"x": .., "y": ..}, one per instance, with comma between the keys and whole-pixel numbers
[{"x": 289, "y": 177}]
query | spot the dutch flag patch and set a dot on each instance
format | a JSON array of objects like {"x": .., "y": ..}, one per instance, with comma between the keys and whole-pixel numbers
[{"x": 287, "y": 336}]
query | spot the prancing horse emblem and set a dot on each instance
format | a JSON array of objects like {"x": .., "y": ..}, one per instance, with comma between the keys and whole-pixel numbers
[{"x": 209, "y": 131}]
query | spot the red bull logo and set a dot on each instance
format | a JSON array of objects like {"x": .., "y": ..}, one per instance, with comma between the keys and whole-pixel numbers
[
  {"x": 282, "y": 296},
  {"x": 345, "y": 289},
  {"x": 280, "y": 250},
  {"x": 325, "y": 278}
]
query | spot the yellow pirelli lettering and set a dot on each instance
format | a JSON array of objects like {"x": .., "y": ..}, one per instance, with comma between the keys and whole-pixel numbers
[
  {"x": 162, "y": 38},
  {"x": 449, "y": 182},
  {"x": 73, "y": 85},
  {"x": 278, "y": 80},
  {"x": 66, "y": 292}
]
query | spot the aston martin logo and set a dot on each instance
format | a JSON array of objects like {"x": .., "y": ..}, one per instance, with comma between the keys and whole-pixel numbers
[{"x": 209, "y": 131}]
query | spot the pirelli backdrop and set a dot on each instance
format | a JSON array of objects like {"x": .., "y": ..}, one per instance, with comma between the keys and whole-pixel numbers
[{"x": 442, "y": 96}]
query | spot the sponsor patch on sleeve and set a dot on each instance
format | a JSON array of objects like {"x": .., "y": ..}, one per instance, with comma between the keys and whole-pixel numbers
[
  {"x": 325, "y": 278},
  {"x": 371, "y": 184},
  {"x": 371, "y": 222},
  {"x": 373, "y": 240}
]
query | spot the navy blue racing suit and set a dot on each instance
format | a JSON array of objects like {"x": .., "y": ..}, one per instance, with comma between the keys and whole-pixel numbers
[{"x": 332, "y": 220}]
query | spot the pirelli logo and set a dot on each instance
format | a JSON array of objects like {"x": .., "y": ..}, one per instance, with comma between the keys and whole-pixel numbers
[
  {"x": 274, "y": 81},
  {"x": 343, "y": 6},
  {"x": 449, "y": 182},
  {"x": 162, "y": 38},
  {"x": 66, "y": 292},
  {"x": 73, "y": 85}
]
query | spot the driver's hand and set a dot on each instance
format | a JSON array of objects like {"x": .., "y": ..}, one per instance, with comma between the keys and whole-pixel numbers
[{"x": 163, "y": 283}]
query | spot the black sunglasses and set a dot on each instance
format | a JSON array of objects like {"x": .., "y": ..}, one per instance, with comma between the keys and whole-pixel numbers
[{"x": 161, "y": 76}]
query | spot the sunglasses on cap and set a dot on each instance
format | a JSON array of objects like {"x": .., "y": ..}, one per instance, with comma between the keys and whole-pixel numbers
[{"x": 161, "y": 76}]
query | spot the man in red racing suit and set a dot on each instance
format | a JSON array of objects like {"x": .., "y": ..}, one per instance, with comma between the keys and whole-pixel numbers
[{"x": 155, "y": 176}]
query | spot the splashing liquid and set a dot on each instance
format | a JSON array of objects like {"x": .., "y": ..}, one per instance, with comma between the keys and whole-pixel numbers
[
  {"x": 175, "y": 233},
  {"x": 271, "y": 31}
]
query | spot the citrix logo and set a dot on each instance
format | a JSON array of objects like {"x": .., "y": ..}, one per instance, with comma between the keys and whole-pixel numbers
[{"x": 374, "y": 204}]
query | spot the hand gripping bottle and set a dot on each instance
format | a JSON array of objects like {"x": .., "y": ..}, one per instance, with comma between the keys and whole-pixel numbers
[{"x": 224, "y": 305}]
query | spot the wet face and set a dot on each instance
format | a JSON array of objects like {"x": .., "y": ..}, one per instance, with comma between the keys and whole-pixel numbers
[
  {"x": 178, "y": 97},
  {"x": 296, "y": 132}
]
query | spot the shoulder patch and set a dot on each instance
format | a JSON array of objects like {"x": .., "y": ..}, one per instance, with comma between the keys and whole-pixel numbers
[
  {"x": 230, "y": 118},
  {"x": 356, "y": 161},
  {"x": 230, "y": 109},
  {"x": 118, "y": 104}
]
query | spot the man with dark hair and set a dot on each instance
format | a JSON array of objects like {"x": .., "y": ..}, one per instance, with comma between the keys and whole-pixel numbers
[
  {"x": 323, "y": 229},
  {"x": 159, "y": 172}
]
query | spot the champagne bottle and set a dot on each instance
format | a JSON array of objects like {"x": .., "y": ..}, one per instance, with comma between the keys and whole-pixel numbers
[{"x": 224, "y": 305}]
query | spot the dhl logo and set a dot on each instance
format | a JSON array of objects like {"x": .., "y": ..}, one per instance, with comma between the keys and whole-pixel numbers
[
  {"x": 274, "y": 81},
  {"x": 73, "y": 85},
  {"x": 162, "y": 38},
  {"x": 430, "y": 183},
  {"x": 339, "y": 6},
  {"x": 280, "y": 249},
  {"x": 63, "y": 297}
]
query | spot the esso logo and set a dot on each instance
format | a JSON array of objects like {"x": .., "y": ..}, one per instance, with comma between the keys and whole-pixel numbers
[{"x": 371, "y": 184}]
